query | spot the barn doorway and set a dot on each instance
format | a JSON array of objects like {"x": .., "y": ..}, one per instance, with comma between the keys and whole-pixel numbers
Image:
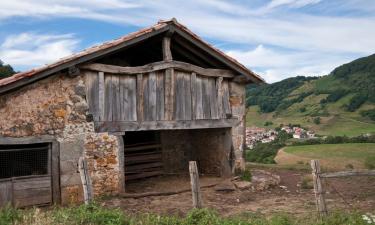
[
  {"x": 28, "y": 172},
  {"x": 143, "y": 155}
]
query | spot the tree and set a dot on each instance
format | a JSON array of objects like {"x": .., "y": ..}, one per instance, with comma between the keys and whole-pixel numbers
[{"x": 6, "y": 70}]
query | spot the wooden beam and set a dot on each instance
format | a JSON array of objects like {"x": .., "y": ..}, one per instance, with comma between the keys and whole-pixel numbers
[
  {"x": 195, "y": 186},
  {"x": 115, "y": 126},
  {"x": 166, "y": 44},
  {"x": 349, "y": 173},
  {"x": 152, "y": 67},
  {"x": 318, "y": 189},
  {"x": 101, "y": 95}
]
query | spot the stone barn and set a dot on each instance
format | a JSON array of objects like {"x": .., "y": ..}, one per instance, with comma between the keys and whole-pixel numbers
[{"x": 139, "y": 106}]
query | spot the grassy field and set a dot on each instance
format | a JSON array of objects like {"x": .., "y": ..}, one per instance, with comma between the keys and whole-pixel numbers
[{"x": 332, "y": 156}]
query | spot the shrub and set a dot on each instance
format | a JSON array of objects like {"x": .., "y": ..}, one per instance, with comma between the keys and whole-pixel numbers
[
  {"x": 307, "y": 182},
  {"x": 370, "y": 163},
  {"x": 349, "y": 166},
  {"x": 246, "y": 175},
  {"x": 317, "y": 120},
  {"x": 369, "y": 113},
  {"x": 268, "y": 123},
  {"x": 356, "y": 102},
  {"x": 302, "y": 109}
]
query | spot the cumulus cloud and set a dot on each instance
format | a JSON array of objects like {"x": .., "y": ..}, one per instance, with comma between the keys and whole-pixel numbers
[{"x": 32, "y": 49}]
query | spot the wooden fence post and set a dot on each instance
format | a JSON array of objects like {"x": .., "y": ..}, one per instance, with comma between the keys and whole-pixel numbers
[
  {"x": 86, "y": 181},
  {"x": 195, "y": 187},
  {"x": 318, "y": 189}
]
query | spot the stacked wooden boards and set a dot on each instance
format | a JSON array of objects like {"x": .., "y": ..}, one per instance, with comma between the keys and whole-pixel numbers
[{"x": 162, "y": 95}]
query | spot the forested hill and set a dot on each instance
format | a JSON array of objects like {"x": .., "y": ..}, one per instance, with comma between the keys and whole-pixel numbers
[{"x": 347, "y": 92}]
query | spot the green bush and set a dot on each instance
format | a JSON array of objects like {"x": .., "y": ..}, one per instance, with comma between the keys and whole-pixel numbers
[
  {"x": 369, "y": 113},
  {"x": 317, "y": 120}
]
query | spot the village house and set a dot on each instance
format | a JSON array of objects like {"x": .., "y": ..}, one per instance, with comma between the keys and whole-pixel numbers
[{"x": 139, "y": 106}]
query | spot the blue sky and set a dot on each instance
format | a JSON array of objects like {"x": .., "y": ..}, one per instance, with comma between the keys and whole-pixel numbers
[{"x": 275, "y": 38}]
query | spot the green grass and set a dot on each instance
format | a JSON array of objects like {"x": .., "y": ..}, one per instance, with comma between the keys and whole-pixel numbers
[
  {"x": 332, "y": 156},
  {"x": 94, "y": 214}
]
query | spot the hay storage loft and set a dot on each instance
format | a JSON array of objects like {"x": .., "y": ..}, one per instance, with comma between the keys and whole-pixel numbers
[{"x": 140, "y": 106}]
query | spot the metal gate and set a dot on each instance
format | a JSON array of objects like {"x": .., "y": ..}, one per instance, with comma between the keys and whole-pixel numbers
[{"x": 25, "y": 175}]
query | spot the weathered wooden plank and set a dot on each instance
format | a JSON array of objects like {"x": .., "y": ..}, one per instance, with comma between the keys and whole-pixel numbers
[
  {"x": 143, "y": 175},
  {"x": 219, "y": 90},
  {"x": 164, "y": 125},
  {"x": 55, "y": 172},
  {"x": 195, "y": 186},
  {"x": 187, "y": 98},
  {"x": 142, "y": 167},
  {"x": 140, "y": 97},
  {"x": 169, "y": 94},
  {"x": 141, "y": 148},
  {"x": 129, "y": 160},
  {"x": 101, "y": 96},
  {"x": 166, "y": 45},
  {"x": 151, "y": 112},
  {"x": 31, "y": 192},
  {"x": 180, "y": 95},
  {"x": 199, "y": 98},
  {"x": 206, "y": 98},
  {"x": 160, "y": 96},
  {"x": 350, "y": 173},
  {"x": 6, "y": 195},
  {"x": 132, "y": 98},
  {"x": 145, "y": 97},
  {"x": 116, "y": 111},
  {"x": 30, "y": 183},
  {"x": 86, "y": 181},
  {"x": 92, "y": 93},
  {"x": 108, "y": 102},
  {"x": 152, "y": 67},
  {"x": 226, "y": 104},
  {"x": 193, "y": 95},
  {"x": 42, "y": 199},
  {"x": 213, "y": 99},
  {"x": 123, "y": 98}
]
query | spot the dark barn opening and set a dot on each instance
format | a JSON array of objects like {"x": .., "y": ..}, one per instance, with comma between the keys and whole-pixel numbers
[
  {"x": 21, "y": 160},
  {"x": 167, "y": 153}
]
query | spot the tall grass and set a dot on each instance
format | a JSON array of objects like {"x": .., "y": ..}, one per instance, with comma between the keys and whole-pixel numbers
[{"x": 94, "y": 214}]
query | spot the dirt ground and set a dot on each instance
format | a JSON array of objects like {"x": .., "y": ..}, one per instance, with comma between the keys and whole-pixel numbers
[{"x": 345, "y": 193}]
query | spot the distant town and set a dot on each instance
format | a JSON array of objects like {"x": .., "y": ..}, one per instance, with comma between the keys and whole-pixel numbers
[{"x": 256, "y": 135}]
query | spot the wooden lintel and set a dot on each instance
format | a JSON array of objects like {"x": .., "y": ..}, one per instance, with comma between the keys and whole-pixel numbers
[
  {"x": 152, "y": 67},
  {"x": 163, "y": 125},
  {"x": 242, "y": 79}
]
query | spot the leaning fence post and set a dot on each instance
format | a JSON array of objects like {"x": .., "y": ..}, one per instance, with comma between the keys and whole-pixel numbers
[
  {"x": 85, "y": 178},
  {"x": 318, "y": 188},
  {"x": 195, "y": 187}
]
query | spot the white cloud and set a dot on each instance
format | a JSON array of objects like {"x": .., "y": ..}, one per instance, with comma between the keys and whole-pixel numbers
[
  {"x": 275, "y": 65},
  {"x": 291, "y": 3},
  {"x": 31, "y": 49}
]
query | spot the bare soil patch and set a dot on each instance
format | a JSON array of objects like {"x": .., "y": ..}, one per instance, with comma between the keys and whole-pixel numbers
[{"x": 346, "y": 194}]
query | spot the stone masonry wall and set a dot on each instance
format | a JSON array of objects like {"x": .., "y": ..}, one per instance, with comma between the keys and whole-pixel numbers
[
  {"x": 57, "y": 106},
  {"x": 237, "y": 100}
]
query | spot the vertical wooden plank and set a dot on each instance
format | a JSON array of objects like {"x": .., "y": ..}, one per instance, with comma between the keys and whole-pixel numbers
[
  {"x": 101, "y": 96},
  {"x": 187, "y": 86},
  {"x": 86, "y": 181},
  {"x": 318, "y": 188},
  {"x": 199, "y": 98},
  {"x": 122, "y": 85},
  {"x": 195, "y": 186},
  {"x": 152, "y": 96},
  {"x": 219, "y": 90},
  {"x": 108, "y": 102},
  {"x": 206, "y": 90},
  {"x": 193, "y": 95},
  {"x": 169, "y": 94},
  {"x": 166, "y": 45},
  {"x": 159, "y": 96},
  {"x": 6, "y": 194},
  {"x": 132, "y": 98},
  {"x": 116, "y": 111},
  {"x": 145, "y": 97},
  {"x": 140, "y": 97},
  {"x": 180, "y": 93},
  {"x": 55, "y": 173},
  {"x": 213, "y": 99},
  {"x": 125, "y": 96},
  {"x": 92, "y": 93},
  {"x": 226, "y": 104}
]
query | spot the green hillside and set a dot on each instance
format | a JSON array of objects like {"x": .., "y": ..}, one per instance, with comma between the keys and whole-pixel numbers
[{"x": 341, "y": 103}]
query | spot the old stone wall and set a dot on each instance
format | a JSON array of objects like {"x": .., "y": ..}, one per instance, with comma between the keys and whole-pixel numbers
[
  {"x": 57, "y": 106},
  {"x": 237, "y": 100}
]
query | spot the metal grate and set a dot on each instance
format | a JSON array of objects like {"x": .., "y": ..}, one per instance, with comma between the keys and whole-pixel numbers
[{"x": 23, "y": 160}]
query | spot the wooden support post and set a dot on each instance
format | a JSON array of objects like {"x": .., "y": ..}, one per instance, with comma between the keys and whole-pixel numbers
[
  {"x": 195, "y": 187},
  {"x": 86, "y": 181},
  {"x": 318, "y": 188},
  {"x": 101, "y": 95},
  {"x": 167, "y": 53}
]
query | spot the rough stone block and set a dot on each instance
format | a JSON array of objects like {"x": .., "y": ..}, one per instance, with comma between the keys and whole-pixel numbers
[
  {"x": 71, "y": 150},
  {"x": 70, "y": 179}
]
